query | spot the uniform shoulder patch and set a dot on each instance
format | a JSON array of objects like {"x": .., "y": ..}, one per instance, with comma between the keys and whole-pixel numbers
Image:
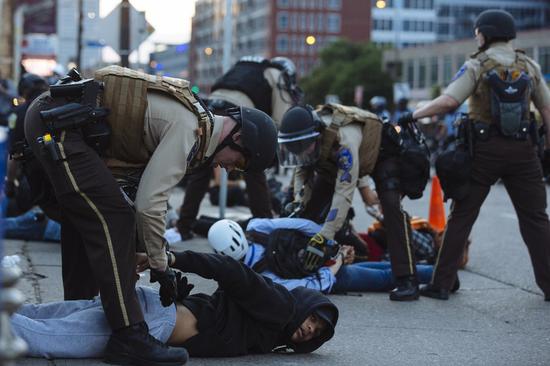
[
  {"x": 460, "y": 72},
  {"x": 345, "y": 162}
]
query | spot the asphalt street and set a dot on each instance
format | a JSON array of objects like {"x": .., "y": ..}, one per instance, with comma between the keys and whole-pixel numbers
[{"x": 497, "y": 318}]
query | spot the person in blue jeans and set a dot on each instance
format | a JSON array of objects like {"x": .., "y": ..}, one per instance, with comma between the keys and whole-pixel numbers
[
  {"x": 340, "y": 276},
  {"x": 32, "y": 225}
]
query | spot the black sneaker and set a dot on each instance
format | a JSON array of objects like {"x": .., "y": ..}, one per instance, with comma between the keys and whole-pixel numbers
[
  {"x": 135, "y": 346},
  {"x": 434, "y": 292},
  {"x": 405, "y": 290},
  {"x": 185, "y": 231}
]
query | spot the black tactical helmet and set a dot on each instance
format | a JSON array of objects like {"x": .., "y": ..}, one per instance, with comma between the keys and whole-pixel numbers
[
  {"x": 497, "y": 24},
  {"x": 289, "y": 77},
  {"x": 30, "y": 83},
  {"x": 300, "y": 128},
  {"x": 258, "y": 134}
]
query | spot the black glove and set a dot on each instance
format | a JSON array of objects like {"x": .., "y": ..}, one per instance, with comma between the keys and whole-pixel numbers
[
  {"x": 168, "y": 285},
  {"x": 184, "y": 288},
  {"x": 546, "y": 162},
  {"x": 405, "y": 119},
  {"x": 315, "y": 252}
]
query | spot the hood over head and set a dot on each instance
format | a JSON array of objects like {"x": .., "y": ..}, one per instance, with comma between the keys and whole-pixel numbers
[{"x": 307, "y": 302}]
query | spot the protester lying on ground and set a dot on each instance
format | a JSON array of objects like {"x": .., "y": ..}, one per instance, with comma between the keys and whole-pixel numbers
[
  {"x": 275, "y": 249},
  {"x": 247, "y": 314}
]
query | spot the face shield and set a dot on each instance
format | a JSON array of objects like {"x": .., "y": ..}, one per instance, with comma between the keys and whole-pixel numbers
[{"x": 298, "y": 151}]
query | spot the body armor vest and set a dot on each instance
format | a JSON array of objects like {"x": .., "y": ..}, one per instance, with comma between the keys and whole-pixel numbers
[
  {"x": 248, "y": 78},
  {"x": 125, "y": 94},
  {"x": 370, "y": 144},
  {"x": 488, "y": 102}
]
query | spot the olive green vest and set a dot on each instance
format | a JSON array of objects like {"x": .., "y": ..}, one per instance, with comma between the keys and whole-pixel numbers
[
  {"x": 370, "y": 144},
  {"x": 480, "y": 100},
  {"x": 125, "y": 94}
]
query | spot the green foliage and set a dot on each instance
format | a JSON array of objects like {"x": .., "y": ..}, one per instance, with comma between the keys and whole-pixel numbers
[{"x": 345, "y": 65}]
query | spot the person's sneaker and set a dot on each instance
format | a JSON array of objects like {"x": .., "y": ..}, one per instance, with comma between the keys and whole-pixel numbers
[
  {"x": 134, "y": 345},
  {"x": 406, "y": 289},
  {"x": 185, "y": 231},
  {"x": 434, "y": 292}
]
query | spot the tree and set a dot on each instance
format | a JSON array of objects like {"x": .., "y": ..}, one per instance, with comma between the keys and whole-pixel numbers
[{"x": 345, "y": 65}]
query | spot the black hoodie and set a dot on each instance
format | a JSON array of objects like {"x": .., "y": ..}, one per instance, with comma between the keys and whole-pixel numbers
[{"x": 248, "y": 313}]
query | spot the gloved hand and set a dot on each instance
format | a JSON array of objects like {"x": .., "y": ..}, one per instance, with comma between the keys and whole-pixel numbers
[
  {"x": 292, "y": 208},
  {"x": 546, "y": 162},
  {"x": 405, "y": 119},
  {"x": 315, "y": 252},
  {"x": 168, "y": 285},
  {"x": 184, "y": 288}
]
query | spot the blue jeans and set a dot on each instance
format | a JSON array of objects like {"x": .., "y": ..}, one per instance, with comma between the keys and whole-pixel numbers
[
  {"x": 373, "y": 276},
  {"x": 30, "y": 227}
]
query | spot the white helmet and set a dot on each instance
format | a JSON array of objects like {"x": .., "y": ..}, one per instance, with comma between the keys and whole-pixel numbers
[{"x": 227, "y": 237}]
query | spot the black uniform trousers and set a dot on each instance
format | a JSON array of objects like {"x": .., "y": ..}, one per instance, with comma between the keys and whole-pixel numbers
[
  {"x": 198, "y": 183},
  {"x": 516, "y": 163},
  {"x": 396, "y": 221},
  {"x": 97, "y": 225}
]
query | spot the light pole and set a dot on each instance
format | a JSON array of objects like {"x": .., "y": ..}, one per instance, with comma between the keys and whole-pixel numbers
[{"x": 226, "y": 64}]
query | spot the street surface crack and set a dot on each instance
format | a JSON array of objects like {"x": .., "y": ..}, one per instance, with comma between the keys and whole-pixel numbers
[{"x": 31, "y": 275}]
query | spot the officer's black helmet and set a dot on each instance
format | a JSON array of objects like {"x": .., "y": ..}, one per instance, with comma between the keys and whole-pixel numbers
[
  {"x": 300, "y": 128},
  {"x": 496, "y": 24},
  {"x": 259, "y": 137},
  {"x": 31, "y": 83}
]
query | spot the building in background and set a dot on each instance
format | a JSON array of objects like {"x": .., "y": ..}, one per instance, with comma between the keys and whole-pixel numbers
[
  {"x": 424, "y": 67},
  {"x": 297, "y": 29},
  {"x": 6, "y": 37},
  {"x": 172, "y": 61},
  {"x": 405, "y": 23}
]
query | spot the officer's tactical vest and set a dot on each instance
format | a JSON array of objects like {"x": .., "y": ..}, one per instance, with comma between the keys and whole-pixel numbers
[
  {"x": 370, "y": 144},
  {"x": 482, "y": 103},
  {"x": 125, "y": 94},
  {"x": 248, "y": 78}
]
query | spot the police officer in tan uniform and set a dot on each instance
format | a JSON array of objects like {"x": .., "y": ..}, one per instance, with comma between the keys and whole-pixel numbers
[
  {"x": 159, "y": 130},
  {"x": 253, "y": 82},
  {"x": 500, "y": 82},
  {"x": 334, "y": 148}
]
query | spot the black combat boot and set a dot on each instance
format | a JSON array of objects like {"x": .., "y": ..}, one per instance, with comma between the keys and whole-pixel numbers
[
  {"x": 434, "y": 292},
  {"x": 406, "y": 289},
  {"x": 134, "y": 345}
]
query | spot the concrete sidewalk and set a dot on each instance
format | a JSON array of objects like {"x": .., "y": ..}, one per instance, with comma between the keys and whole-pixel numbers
[{"x": 497, "y": 318}]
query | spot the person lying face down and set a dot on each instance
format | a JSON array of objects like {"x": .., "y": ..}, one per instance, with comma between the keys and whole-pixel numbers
[{"x": 248, "y": 313}]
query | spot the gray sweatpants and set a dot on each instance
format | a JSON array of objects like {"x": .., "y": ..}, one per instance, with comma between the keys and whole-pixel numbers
[{"x": 79, "y": 328}]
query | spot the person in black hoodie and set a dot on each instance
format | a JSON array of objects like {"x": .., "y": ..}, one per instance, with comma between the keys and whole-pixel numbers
[{"x": 248, "y": 313}]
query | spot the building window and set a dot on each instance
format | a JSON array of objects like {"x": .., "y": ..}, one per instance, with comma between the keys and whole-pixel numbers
[
  {"x": 303, "y": 21},
  {"x": 544, "y": 61},
  {"x": 334, "y": 4},
  {"x": 320, "y": 22},
  {"x": 311, "y": 22},
  {"x": 434, "y": 71},
  {"x": 333, "y": 23},
  {"x": 282, "y": 43},
  {"x": 410, "y": 73},
  {"x": 460, "y": 59},
  {"x": 447, "y": 69},
  {"x": 282, "y": 20},
  {"x": 418, "y": 26},
  {"x": 383, "y": 24},
  {"x": 282, "y": 3},
  {"x": 419, "y": 4},
  {"x": 421, "y": 74},
  {"x": 293, "y": 21}
]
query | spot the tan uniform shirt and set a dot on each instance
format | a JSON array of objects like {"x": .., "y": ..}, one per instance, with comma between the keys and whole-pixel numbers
[
  {"x": 280, "y": 99},
  {"x": 465, "y": 81},
  {"x": 169, "y": 134},
  {"x": 347, "y": 179}
]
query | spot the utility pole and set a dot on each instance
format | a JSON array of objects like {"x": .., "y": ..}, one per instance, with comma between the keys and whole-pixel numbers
[
  {"x": 226, "y": 64},
  {"x": 125, "y": 33},
  {"x": 79, "y": 37}
]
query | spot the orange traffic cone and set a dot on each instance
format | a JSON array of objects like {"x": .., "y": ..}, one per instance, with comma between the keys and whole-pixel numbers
[{"x": 437, "y": 217}]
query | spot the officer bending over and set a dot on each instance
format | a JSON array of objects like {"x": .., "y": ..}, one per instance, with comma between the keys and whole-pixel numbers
[
  {"x": 333, "y": 149},
  {"x": 253, "y": 82},
  {"x": 158, "y": 131},
  {"x": 501, "y": 83}
]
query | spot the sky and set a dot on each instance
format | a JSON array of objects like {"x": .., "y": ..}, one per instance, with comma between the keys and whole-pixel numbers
[{"x": 170, "y": 18}]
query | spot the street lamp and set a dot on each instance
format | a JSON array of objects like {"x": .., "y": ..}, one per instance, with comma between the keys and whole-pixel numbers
[
  {"x": 208, "y": 51},
  {"x": 381, "y": 4},
  {"x": 310, "y": 40}
]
